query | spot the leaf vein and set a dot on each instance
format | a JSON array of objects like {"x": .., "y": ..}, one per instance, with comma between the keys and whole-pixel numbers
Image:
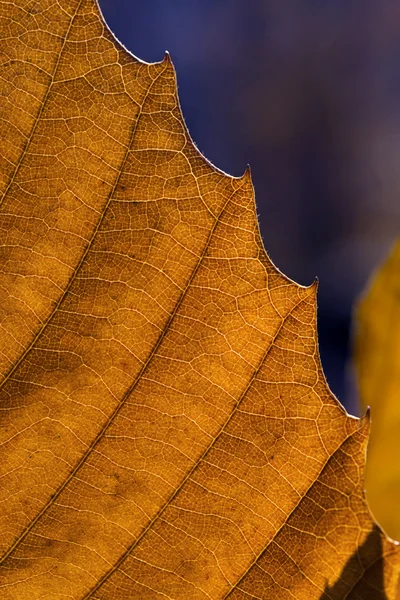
[
  {"x": 196, "y": 464},
  {"x": 42, "y": 106},
  {"x": 48, "y": 321},
  {"x": 297, "y": 504}
]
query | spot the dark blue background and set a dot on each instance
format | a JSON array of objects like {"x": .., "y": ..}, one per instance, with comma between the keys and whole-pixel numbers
[{"x": 308, "y": 94}]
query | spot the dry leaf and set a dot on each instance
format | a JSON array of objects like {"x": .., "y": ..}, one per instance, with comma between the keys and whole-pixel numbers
[
  {"x": 377, "y": 353},
  {"x": 166, "y": 429}
]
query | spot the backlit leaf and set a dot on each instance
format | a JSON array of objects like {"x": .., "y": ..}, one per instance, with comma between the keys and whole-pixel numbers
[
  {"x": 166, "y": 428},
  {"x": 378, "y": 365}
]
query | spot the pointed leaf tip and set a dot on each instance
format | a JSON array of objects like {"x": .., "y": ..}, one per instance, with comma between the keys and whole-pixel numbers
[
  {"x": 315, "y": 285},
  {"x": 366, "y": 418},
  {"x": 247, "y": 177}
]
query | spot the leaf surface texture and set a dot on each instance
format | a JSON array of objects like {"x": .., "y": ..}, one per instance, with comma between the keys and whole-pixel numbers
[{"x": 166, "y": 428}]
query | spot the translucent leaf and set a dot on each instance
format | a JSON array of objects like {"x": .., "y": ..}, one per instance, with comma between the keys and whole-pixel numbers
[
  {"x": 378, "y": 365},
  {"x": 166, "y": 428}
]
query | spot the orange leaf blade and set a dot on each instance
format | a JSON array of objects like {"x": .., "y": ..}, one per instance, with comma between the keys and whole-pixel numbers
[{"x": 166, "y": 428}]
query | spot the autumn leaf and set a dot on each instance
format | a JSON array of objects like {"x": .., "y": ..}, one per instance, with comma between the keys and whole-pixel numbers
[
  {"x": 377, "y": 354},
  {"x": 166, "y": 428}
]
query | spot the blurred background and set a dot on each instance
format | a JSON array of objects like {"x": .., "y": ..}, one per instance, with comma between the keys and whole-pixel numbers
[{"x": 307, "y": 93}]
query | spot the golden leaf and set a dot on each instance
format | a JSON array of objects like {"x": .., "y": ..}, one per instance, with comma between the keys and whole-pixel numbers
[
  {"x": 377, "y": 354},
  {"x": 166, "y": 428}
]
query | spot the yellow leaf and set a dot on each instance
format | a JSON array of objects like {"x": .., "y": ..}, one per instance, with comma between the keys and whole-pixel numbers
[
  {"x": 166, "y": 428},
  {"x": 377, "y": 357}
]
